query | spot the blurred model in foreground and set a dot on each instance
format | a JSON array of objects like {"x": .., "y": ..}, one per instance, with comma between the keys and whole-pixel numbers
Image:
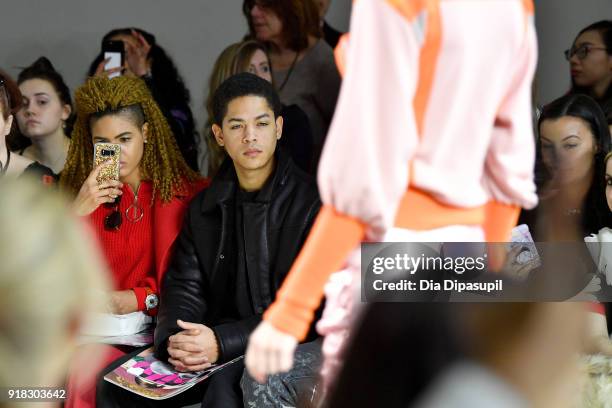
[{"x": 431, "y": 141}]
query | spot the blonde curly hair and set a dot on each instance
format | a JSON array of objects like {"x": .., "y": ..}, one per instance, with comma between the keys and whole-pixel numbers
[{"x": 162, "y": 162}]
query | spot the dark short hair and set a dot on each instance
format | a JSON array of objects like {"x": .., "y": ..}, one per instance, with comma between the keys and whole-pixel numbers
[
  {"x": 300, "y": 18},
  {"x": 243, "y": 84},
  {"x": 43, "y": 69},
  {"x": 604, "y": 28}
]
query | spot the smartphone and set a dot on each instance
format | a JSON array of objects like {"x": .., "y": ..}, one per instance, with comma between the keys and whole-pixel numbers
[
  {"x": 111, "y": 153},
  {"x": 115, "y": 52}
]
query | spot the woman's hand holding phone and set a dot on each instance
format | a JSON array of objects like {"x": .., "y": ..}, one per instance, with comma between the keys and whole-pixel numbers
[
  {"x": 135, "y": 59},
  {"x": 102, "y": 71},
  {"x": 92, "y": 195}
]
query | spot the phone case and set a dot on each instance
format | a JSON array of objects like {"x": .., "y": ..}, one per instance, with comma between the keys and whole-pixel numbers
[{"x": 105, "y": 152}]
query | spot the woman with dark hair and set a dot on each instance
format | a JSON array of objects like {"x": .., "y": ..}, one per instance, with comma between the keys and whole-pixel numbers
[
  {"x": 303, "y": 64},
  {"x": 573, "y": 140},
  {"x": 251, "y": 56},
  {"x": 590, "y": 61},
  {"x": 45, "y": 117},
  {"x": 599, "y": 245},
  {"x": 13, "y": 164},
  {"x": 146, "y": 59}
]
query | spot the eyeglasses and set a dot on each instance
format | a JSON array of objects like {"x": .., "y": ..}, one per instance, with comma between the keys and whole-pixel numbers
[
  {"x": 582, "y": 51},
  {"x": 113, "y": 221}
]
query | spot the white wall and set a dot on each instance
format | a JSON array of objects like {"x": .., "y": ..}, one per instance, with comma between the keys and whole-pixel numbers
[
  {"x": 68, "y": 32},
  {"x": 339, "y": 14},
  {"x": 558, "y": 22},
  {"x": 195, "y": 31}
]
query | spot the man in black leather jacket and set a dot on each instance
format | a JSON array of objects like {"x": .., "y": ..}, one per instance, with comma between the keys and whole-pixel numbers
[{"x": 239, "y": 240}]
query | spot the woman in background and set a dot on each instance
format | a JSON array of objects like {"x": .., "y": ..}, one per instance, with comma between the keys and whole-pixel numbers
[
  {"x": 590, "y": 61},
  {"x": 13, "y": 164},
  {"x": 303, "y": 66},
  {"x": 145, "y": 59},
  {"x": 573, "y": 140},
  {"x": 45, "y": 117},
  {"x": 250, "y": 56}
]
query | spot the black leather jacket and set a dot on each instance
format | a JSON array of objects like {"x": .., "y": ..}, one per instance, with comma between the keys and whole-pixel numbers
[{"x": 277, "y": 225}]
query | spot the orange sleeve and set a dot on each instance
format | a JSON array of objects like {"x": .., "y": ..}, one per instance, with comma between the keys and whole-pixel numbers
[
  {"x": 499, "y": 221},
  {"x": 331, "y": 239}
]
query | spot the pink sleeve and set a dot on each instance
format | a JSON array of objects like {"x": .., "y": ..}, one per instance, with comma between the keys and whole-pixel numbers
[
  {"x": 364, "y": 166},
  {"x": 511, "y": 156}
]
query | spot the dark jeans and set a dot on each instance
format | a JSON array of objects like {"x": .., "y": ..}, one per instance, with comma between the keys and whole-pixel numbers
[
  {"x": 296, "y": 388},
  {"x": 222, "y": 390}
]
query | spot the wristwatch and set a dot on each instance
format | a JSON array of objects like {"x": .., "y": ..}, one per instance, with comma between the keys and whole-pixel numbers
[{"x": 151, "y": 301}]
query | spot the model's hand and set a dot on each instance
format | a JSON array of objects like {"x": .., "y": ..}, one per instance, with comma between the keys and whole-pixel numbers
[
  {"x": 270, "y": 351},
  {"x": 194, "y": 348}
]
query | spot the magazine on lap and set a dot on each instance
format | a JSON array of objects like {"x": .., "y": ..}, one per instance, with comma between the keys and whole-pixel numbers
[{"x": 154, "y": 379}]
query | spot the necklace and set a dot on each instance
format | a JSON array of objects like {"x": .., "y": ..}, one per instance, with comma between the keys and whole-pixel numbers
[
  {"x": 280, "y": 88},
  {"x": 4, "y": 168},
  {"x": 573, "y": 211},
  {"x": 134, "y": 212}
]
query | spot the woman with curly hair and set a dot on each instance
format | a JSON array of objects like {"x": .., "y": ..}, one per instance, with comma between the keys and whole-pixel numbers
[
  {"x": 138, "y": 217},
  {"x": 145, "y": 59}
]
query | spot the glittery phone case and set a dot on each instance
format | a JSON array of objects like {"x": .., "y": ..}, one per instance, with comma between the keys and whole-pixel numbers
[{"x": 107, "y": 152}]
